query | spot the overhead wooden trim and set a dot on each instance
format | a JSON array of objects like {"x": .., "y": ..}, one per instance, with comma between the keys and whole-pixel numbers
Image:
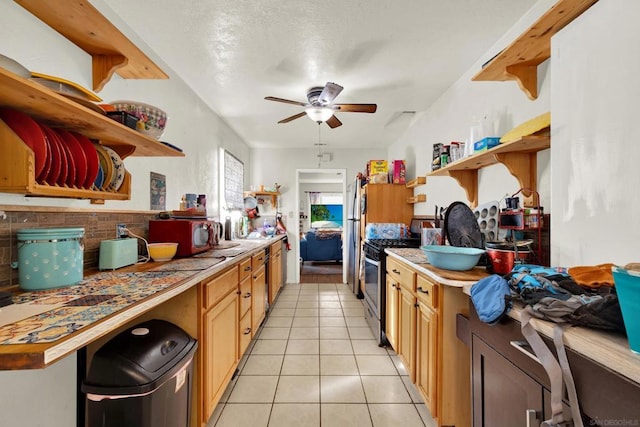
[
  {"x": 519, "y": 61},
  {"x": 87, "y": 28}
]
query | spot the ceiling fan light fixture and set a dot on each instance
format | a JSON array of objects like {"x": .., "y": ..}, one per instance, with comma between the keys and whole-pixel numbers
[{"x": 319, "y": 114}]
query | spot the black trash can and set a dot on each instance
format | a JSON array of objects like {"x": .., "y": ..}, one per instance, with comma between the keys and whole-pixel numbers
[{"x": 142, "y": 378}]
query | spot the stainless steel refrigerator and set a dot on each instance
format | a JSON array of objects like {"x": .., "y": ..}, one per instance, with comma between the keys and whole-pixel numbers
[{"x": 353, "y": 236}]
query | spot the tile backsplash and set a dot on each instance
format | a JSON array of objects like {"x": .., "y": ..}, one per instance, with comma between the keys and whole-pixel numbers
[{"x": 98, "y": 226}]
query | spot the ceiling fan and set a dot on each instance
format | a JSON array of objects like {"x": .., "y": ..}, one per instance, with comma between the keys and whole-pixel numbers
[{"x": 320, "y": 107}]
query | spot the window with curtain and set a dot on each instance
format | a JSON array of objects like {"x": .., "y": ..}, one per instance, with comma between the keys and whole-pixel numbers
[{"x": 233, "y": 182}]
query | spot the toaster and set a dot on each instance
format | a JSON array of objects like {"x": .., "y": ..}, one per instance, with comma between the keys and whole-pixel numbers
[{"x": 118, "y": 253}]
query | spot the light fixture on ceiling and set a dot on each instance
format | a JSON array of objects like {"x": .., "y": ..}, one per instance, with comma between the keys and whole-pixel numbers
[
  {"x": 319, "y": 114},
  {"x": 322, "y": 156}
]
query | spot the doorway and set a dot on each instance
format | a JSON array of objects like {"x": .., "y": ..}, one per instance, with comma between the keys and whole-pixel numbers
[{"x": 328, "y": 181}]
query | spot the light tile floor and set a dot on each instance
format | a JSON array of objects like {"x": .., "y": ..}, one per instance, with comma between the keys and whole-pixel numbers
[{"x": 315, "y": 363}]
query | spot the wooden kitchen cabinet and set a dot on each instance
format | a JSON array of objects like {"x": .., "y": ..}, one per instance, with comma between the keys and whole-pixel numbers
[
  {"x": 503, "y": 394},
  {"x": 427, "y": 344},
  {"x": 421, "y": 328},
  {"x": 407, "y": 330},
  {"x": 258, "y": 292},
  {"x": 401, "y": 312},
  {"x": 507, "y": 382},
  {"x": 219, "y": 345},
  {"x": 275, "y": 271},
  {"x": 391, "y": 320},
  {"x": 386, "y": 203},
  {"x": 244, "y": 294}
]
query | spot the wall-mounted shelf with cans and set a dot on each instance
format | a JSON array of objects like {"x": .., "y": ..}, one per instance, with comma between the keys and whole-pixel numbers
[{"x": 519, "y": 157}]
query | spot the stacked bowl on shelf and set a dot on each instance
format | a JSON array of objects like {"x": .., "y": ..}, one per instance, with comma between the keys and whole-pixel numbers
[{"x": 66, "y": 158}]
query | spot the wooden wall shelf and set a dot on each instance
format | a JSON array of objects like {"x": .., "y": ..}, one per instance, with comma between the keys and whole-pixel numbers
[
  {"x": 86, "y": 27},
  {"x": 519, "y": 61},
  {"x": 421, "y": 180},
  {"x": 273, "y": 194},
  {"x": 57, "y": 111},
  {"x": 418, "y": 198},
  {"x": 519, "y": 156}
]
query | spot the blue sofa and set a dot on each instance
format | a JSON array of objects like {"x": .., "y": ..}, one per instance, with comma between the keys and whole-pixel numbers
[{"x": 321, "y": 246}]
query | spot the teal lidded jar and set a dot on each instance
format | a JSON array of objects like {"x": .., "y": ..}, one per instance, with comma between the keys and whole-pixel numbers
[{"x": 50, "y": 257}]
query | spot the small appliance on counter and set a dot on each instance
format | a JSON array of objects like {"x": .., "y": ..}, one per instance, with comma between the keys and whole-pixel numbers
[
  {"x": 192, "y": 235},
  {"x": 118, "y": 253}
]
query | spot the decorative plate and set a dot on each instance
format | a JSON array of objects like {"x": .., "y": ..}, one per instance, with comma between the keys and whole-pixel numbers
[
  {"x": 64, "y": 164},
  {"x": 56, "y": 162},
  {"x": 99, "y": 178},
  {"x": 107, "y": 166},
  {"x": 80, "y": 159},
  {"x": 118, "y": 169},
  {"x": 32, "y": 135},
  {"x": 92, "y": 159}
]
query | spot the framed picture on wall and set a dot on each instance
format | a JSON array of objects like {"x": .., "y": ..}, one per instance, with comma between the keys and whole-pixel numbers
[{"x": 158, "y": 192}]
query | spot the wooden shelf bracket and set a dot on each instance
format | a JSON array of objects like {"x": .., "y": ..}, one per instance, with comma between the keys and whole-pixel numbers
[{"x": 468, "y": 180}]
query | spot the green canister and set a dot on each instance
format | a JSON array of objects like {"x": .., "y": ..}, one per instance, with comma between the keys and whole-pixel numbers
[{"x": 50, "y": 257}]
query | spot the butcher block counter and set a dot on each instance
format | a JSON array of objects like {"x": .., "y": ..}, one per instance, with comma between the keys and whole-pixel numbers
[
  {"x": 608, "y": 349},
  {"x": 44, "y": 326}
]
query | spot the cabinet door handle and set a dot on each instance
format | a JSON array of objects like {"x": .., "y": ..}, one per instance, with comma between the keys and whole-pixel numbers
[
  {"x": 247, "y": 331},
  {"x": 522, "y": 346},
  {"x": 247, "y": 295},
  {"x": 532, "y": 418},
  {"x": 393, "y": 285},
  {"x": 395, "y": 271},
  {"x": 424, "y": 291},
  {"x": 238, "y": 292},
  {"x": 247, "y": 268}
]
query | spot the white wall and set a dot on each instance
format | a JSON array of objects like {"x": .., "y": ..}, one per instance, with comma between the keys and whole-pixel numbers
[
  {"x": 191, "y": 126},
  {"x": 594, "y": 150},
  {"x": 47, "y": 397},
  {"x": 449, "y": 119}
]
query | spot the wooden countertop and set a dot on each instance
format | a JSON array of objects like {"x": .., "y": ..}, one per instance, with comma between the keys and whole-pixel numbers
[
  {"x": 417, "y": 259},
  {"x": 608, "y": 349},
  {"x": 28, "y": 355}
]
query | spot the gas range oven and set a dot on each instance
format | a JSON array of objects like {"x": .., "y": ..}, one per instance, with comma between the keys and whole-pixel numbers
[{"x": 374, "y": 281}]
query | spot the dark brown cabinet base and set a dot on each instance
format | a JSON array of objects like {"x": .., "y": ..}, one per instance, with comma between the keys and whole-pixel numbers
[{"x": 506, "y": 383}]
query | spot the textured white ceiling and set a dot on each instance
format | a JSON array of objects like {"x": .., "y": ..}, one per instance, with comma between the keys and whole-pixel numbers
[{"x": 400, "y": 54}]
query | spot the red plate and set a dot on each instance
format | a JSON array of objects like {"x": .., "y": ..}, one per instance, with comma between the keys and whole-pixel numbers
[
  {"x": 67, "y": 170},
  {"x": 32, "y": 135},
  {"x": 56, "y": 163},
  {"x": 64, "y": 164},
  {"x": 92, "y": 159},
  {"x": 78, "y": 156}
]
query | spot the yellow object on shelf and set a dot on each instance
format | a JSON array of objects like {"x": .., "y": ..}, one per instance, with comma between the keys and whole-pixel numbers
[
  {"x": 527, "y": 128},
  {"x": 63, "y": 86}
]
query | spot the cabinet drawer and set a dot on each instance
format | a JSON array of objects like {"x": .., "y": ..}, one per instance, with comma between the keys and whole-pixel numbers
[
  {"x": 216, "y": 289},
  {"x": 245, "y": 333},
  {"x": 257, "y": 260},
  {"x": 245, "y": 296},
  {"x": 245, "y": 268},
  {"x": 402, "y": 274},
  {"x": 276, "y": 247},
  {"x": 427, "y": 291}
]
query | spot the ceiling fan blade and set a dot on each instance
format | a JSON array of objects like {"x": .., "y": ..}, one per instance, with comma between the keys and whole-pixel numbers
[
  {"x": 286, "y": 101},
  {"x": 329, "y": 93},
  {"x": 357, "y": 108},
  {"x": 296, "y": 116},
  {"x": 333, "y": 122}
]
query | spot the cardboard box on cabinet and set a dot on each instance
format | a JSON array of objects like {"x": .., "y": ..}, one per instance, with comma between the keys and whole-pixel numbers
[{"x": 398, "y": 172}]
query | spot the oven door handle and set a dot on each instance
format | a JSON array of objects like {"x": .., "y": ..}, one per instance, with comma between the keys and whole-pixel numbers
[{"x": 371, "y": 261}]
